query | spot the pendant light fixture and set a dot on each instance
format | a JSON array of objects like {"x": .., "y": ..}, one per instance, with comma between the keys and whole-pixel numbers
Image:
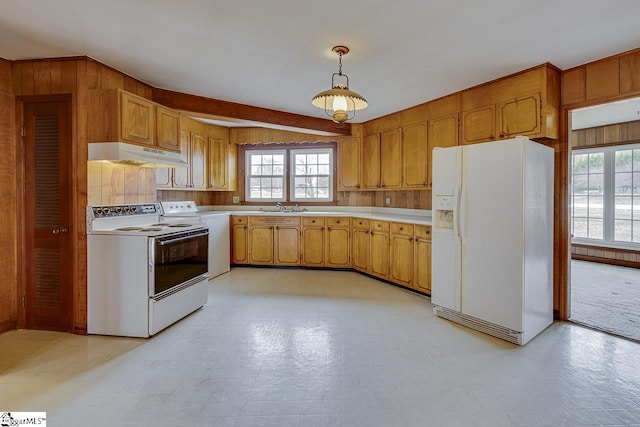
[{"x": 339, "y": 102}]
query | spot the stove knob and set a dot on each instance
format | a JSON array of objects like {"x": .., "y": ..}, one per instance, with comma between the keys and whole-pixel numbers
[
  {"x": 98, "y": 212},
  {"x": 118, "y": 210},
  {"x": 127, "y": 209},
  {"x": 106, "y": 211}
]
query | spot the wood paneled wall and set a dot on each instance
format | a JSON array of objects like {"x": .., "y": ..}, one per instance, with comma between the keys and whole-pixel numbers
[
  {"x": 75, "y": 76},
  {"x": 615, "y": 134},
  {"x": 111, "y": 184},
  {"x": 8, "y": 219}
]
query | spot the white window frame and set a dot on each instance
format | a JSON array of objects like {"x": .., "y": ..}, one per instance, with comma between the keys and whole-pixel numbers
[
  {"x": 608, "y": 197},
  {"x": 248, "y": 176},
  {"x": 292, "y": 173}
]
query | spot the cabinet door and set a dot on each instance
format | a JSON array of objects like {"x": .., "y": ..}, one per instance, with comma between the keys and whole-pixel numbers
[
  {"x": 261, "y": 244},
  {"x": 218, "y": 164},
  {"x": 479, "y": 125},
  {"x": 198, "y": 163},
  {"x": 163, "y": 178},
  {"x": 239, "y": 244},
  {"x": 360, "y": 249},
  {"x": 167, "y": 129},
  {"x": 402, "y": 254},
  {"x": 379, "y": 261},
  {"x": 415, "y": 156},
  {"x": 138, "y": 119},
  {"x": 313, "y": 246},
  {"x": 337, "y": 247},
  {"x": 371, "y": 162},
  {"x": 443, "y": 132},
  {"x": 287, "y": 245},
  {"x": 422, "y": 263},
  {"x": 348, "y": 164},
  {"x": 520, "y": 116},
  {"x": 391, "y": 159},
  {"x": 181, "y": 175}
]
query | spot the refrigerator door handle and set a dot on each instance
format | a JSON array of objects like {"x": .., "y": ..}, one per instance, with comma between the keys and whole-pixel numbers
[{"x": 457, "y": 196}]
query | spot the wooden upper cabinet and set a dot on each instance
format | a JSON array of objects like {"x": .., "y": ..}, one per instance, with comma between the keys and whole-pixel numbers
[
  {"x": 526, "y": 103},
  {"x": 415, "y": 156},
  {"x": 138, "y": 119},
  {"x": 479, "y": 125},
  {"x": 391, "y": 159},
  {"x": 349, "y": 152},
  {"x": 181, "y": 175},
  {"x": 520, "y": 116},
  {"x": 167, "y": 128},
  {"x": 198, "y": 161},
  {"x": 443, "y": 132},
  {"x": 222, "y": 164},
  {"x": 371, "y": 162},
  {"x": 118, "y": 116}
]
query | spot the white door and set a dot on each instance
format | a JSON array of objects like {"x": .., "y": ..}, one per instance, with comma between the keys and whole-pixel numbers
[
  {"x": 492, "y": 232},
  {"x": 445, "y": 242}
]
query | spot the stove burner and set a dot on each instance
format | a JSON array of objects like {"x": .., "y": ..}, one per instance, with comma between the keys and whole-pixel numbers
[
  {"x": 178, "y": 225},
  {"x": 129, "y": 229},
  {"x": 159, "y": 224},
  {"x": 152, "y": 229}
]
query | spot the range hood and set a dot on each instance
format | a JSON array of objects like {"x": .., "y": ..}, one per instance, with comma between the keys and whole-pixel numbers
[{"x": 146, "y": 157}]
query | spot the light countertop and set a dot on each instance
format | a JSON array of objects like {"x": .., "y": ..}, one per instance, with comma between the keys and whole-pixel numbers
[{"x": 410, "y": 216}]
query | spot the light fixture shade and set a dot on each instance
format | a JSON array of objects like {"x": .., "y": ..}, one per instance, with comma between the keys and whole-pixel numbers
[
  {"x": 325, "y": 99},
  {"x": 339, "y": 99}
]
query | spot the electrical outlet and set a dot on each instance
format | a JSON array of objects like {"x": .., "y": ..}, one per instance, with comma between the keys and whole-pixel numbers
[
  {"x": 236, "y": 199},
  {"x": 388, "y": 201}
]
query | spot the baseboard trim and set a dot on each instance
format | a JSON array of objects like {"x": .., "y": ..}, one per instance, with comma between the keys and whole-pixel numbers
[{"x": 7, "y": 325}]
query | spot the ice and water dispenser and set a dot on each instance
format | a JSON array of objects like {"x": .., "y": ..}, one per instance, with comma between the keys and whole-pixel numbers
[{"x": 443, "y": 211}]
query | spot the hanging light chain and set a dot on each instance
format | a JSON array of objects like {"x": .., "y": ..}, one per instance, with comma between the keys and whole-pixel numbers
[{"x": 340, "y": 63}]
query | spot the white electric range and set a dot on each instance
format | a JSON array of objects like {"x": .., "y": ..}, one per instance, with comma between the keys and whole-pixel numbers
[{"x": 143, "y": 274}]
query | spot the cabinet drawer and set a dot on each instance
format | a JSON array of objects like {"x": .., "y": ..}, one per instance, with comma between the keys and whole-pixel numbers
[
  {"x": 337, "y": 222},
  {"x": 274, "y": 220},
  {"x": 238, "y": 220},
  {"x": 401, "y": 228},
  {"x": 379, "y": 226},
  {"x": 360, "y": 223},
  {"x": 423, "y": 232},
  {"x": 312, "y": 221}
]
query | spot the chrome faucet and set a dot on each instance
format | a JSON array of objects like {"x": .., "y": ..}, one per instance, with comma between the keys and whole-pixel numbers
[{"x": 281, "y": 207}]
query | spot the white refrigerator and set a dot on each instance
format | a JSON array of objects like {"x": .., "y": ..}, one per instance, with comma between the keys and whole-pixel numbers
[{"x": 492, "y": 239}]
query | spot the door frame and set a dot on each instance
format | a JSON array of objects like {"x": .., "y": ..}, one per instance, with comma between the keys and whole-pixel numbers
[
  {"x": 564, "y": 291},
  {"x": 21, "y": 249}
]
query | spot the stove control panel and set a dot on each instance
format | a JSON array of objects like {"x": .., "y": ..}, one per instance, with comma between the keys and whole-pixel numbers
[{"x": 123, "y": 210}]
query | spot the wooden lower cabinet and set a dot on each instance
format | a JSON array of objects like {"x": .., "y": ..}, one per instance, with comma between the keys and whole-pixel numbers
[
  {"x": 360, "y": 242},
  {"x": 422, "y": 265},
  {"x": 379, "y": 255},
  {"x": 239, "y": 236},
  {"x": 325, "y": 242},
  {"x": 337, "y": 245},
  {"x": 287, "y": 244},
  {"x": 260, "y": 244},
  {"x": 402, "y": 253},
  {"x": 397, "y": 252}
]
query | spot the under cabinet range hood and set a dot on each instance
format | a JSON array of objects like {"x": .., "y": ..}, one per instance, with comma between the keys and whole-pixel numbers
[{"x": 146, "y": 157}]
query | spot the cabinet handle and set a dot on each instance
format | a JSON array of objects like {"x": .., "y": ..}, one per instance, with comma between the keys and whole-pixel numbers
[
  {"x": 401, "y": 228},
  {"x": 492, "y": 137},
  {"x": 382, "y": 185},
  {"x": 328, "y": 228},
  {"x": 411, "y": 239},
  {"x": 313, "y": 221},
  {"x": 502, "y": 135}
]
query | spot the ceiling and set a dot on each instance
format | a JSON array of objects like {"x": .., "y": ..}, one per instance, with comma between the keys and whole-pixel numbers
[{"x": 277, "y": 54}]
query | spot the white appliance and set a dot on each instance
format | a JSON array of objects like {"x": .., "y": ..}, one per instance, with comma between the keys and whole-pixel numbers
[
  {"x": 143, "y": 275},
  {"x": 218, "y": 223},
  {"x": 148, "y": 157},
  {"x": 492, "y": 240}
]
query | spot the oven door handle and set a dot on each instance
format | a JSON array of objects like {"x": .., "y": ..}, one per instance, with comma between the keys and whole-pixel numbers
[{"x": 179, "y": 239}]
